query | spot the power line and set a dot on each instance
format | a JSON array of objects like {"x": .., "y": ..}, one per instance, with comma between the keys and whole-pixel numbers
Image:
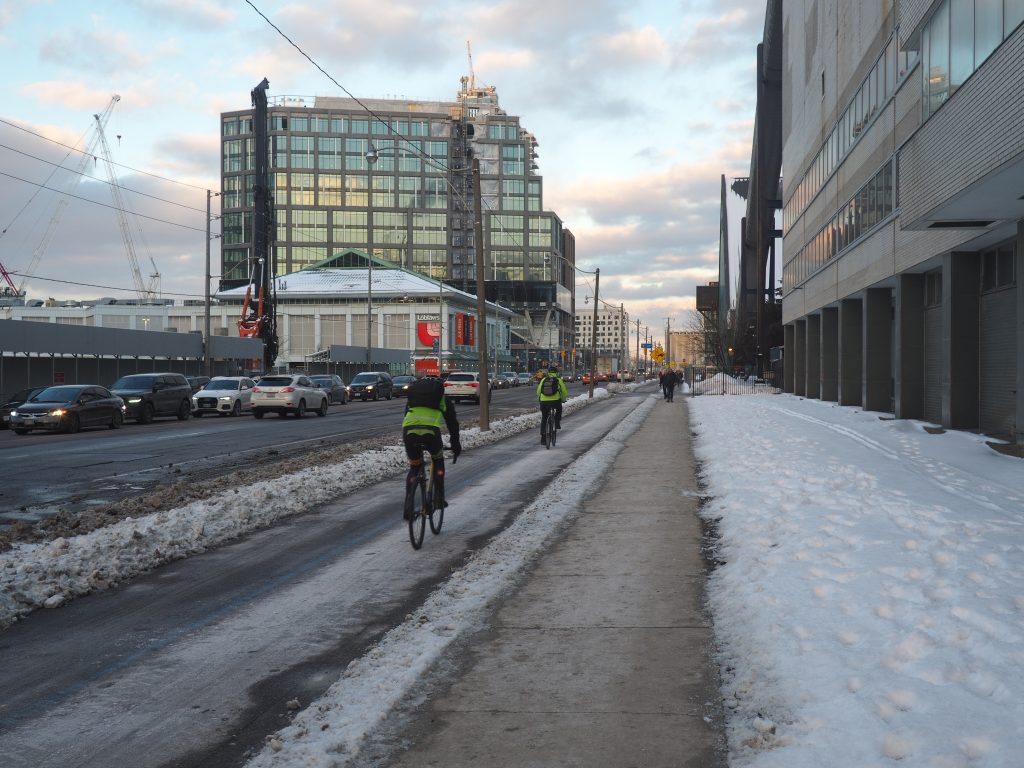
[
  {"x": 119, "y": 165},
  {"x": 102, "y": 181},
  {"x": 105, "y": 205}
]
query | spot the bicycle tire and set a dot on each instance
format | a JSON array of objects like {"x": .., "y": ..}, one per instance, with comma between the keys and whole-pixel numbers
[
  {"x": 550, "y": 441},
  {"x": 436, "y": 511},
  {"x": 417, "y": 523}
]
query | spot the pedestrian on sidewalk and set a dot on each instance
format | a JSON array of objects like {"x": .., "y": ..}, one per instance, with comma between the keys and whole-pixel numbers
[{"x": 669, "y": 384}]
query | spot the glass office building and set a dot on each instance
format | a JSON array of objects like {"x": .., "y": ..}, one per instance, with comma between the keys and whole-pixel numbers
[{"x": 393, "y": 178}]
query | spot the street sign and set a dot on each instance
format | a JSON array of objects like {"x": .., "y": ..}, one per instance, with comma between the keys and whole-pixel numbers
[
  {"x": 646, "y": 345},
  {"x": 658, "y": 354}
]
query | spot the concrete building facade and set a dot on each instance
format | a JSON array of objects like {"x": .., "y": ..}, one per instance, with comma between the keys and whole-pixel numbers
[{"x": 903, "y": 218}]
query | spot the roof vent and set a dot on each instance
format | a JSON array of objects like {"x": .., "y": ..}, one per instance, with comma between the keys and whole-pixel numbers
[{"x": 966, "y": 224}]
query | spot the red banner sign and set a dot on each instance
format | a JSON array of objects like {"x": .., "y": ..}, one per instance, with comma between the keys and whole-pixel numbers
[
  {"x": 460, "y": 328},
  {"x": 427, "y": 331}
]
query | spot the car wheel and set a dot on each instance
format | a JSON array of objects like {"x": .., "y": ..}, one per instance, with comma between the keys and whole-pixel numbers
[
  {"x": 116, "y": 420},
  {"x": 477, "y": 400},
  {"x": 236, "y": 409},
  {"x": 257, "y": 412},
  {"x": 184, "y": 411},
  {"x": 301, "y": 410},
  {"x": 147, "y": 413},
  {"x": 344, "y": 400},
  {"x": 72, "y": 424},
  {"x": 388, "y": 396},
  {"x": 376, "y": 396},
  {"x": 323, "y": 408},
  {"x": 21, "y": 431}
]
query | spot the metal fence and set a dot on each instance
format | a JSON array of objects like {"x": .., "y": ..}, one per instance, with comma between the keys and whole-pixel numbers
[{"x": 713, "y": 381}]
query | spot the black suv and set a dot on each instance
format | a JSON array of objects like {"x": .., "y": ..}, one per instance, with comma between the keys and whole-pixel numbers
[
  {"x": 148, "y": 395},
  {"x": 370, "y": 385}
]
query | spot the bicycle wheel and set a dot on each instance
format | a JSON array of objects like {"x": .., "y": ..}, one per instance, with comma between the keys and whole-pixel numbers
[
  {"x": 436, "y": 513},
  {"x": 552, "y": 431},
  {"x": 416, "y": 497}
]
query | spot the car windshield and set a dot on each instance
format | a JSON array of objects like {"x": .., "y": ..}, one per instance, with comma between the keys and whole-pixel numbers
[
  {"x": 404, "y": 379},
  {"x": 365, "y": 378},
  {"x": 22, "y": 395},
  {"x": 276, "y": 381},
  {"x": 322, "y": 380},
  {"x": 461, "y": 377},
  {"x": 57, "y": 395},
  {"x": 134, "y": 382},
  {"x": 222, "y": 384}
]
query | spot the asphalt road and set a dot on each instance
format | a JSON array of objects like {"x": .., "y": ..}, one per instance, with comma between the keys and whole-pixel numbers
[
  {"x": 194, "y": 663},
  {"x": 43, "y": 472}
]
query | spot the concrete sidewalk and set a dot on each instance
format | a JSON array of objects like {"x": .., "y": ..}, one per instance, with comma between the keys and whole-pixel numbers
[{"x": 602, "y": 657}]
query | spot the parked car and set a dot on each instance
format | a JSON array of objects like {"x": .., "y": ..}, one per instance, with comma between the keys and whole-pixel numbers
[
  {"x": 333, "y": 386},
  {"x": 224, "y": 395},
  {"x": 287, "y": 393},
  {"x": 19, "y": 397},
  {"x": 463, "y": 385},
  {"x": 197, "y": 382},
  {"x": 148, "y": 395},
  {"x": 401, "y": 384},
  {"x": 68, "y": 408},
  {"x": 371, "y": 385},
  {"x": 511, "y": 379},
  {"x": 524, "y": 377}
]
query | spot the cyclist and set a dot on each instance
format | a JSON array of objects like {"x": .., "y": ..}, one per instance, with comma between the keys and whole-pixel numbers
[
  {"x": 426, "y": 407},
  {"x": 552, "y": 392}
]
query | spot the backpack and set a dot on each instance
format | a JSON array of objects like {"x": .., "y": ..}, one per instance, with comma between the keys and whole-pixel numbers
[
  {"x": 549, "y": 386},
  {"x": 425, "y": 393}
]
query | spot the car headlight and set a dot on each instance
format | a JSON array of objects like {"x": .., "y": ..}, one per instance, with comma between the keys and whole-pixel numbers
[
  {"x": 369, "y": 386},
  {"x": 134, "y": 400},
  {"x": 58, "y": 412},
  {"x": 225, "y": 398}
]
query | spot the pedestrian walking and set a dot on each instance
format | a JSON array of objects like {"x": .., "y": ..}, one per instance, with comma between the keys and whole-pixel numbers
[{"x": 669, "y": 384}]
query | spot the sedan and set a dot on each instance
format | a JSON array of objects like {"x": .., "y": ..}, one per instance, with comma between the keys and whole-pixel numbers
[
  {"x": 19, "y": 397},
  {"x": 511, "y": 379},
  {"x": 402, "y": 384},
  {"x": 224, "y": 395},
  {"x": 524, "y": 377},
  {"x": 287, "y": 393},
  {"x": 68, "y": 408},
  {"x": 332, "y": 384}
]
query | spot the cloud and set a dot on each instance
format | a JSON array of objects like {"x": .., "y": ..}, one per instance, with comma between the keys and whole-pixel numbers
[
  {"x": 194, "y": 158},
  {"x": 195, "y": 15},
  {"x": 97, "y": 50},
  {"x": 641, "y": 46},
  {"x": 77, "y": 96},
  {"x": 718, "y": 38}
]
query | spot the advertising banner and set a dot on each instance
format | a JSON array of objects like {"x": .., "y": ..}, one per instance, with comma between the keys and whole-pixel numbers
[
  {"x": 460, "y": 329},
  {"x": 427, "y": 366},
  {"x": 427, "y": 332},
  {"x": 471, "y": 330}
]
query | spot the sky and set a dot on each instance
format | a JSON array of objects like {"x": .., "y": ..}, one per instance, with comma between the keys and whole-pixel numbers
[
  {"x": 868, "y": 605},
  {"x": 638, "y": 108}
]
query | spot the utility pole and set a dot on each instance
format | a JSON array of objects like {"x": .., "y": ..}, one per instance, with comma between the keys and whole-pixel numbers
[
  {"x": 637, "y": 363},
  {"x": 593, "y": 335},
  {"x": 622, "y": 342},
  {"x": 207, "y": 360},
  {"x": 668, "y": 339},
  {"x": 481, "y": 301}
]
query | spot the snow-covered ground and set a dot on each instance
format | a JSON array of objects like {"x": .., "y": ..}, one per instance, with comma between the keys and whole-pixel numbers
[{"x": 870, "y": 610}]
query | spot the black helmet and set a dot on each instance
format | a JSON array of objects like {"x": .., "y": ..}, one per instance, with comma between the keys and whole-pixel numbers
[{"x": 553, "y": 369}]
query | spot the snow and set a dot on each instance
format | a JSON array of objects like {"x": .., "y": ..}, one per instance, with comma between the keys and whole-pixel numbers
[
  {"x": 870, "y": 610},
  {"x": 868, "y": 606}
]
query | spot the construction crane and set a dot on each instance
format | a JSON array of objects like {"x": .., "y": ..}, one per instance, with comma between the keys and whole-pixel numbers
[
  {"x": 77, "y": 173},
  {"x": 147, "y": 292}
]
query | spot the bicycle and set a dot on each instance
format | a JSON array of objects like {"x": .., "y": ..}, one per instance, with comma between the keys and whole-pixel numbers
[
  {"x": 550, "y": 432},
  {"x": 421, "y": 490}
]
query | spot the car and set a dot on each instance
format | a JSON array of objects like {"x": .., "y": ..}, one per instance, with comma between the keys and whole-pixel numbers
[
  {"x": 511, "y": 379},
  {"x": 225, "y": 396},
  {"x": 197, "y": 382},
  {"x": 463, "y": 385},
  {"x": 333, "y": 385},
  {"x": 401, "y": 384},
  {"x": 498, "y": 381},
  {"x": 68, "y": 408},
  {"x": 524, "y": 377},
  {"x": 371, "y": 385},
  {"x": 286, "y": 393},
  {"x": 19, "y": 397},
  {"x": 148, "y": 395}
]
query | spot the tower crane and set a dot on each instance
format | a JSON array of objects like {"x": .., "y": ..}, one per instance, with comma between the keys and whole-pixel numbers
[
  {"x": 78, "y": 171},
  {"x": 146, "y": 292}
]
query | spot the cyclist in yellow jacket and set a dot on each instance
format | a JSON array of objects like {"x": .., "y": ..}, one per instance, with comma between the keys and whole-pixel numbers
[
  {"x": 552, "y": 392},
  {"x": 425, "y": 409}
]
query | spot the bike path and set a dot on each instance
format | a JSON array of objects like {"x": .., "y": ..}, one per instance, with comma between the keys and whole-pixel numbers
[{"x": 602, "y": 657}]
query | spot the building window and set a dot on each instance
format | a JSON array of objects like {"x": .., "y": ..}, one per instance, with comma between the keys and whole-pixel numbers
[
  {"x": 329, "y": 190},
  {"x": 349, "y": 227},
  {"x": 305, "y": 256},
  {"x": 309, "y": 226},
  {"x": 302, "y": 151},
  {"x": 396, "y": 331},
  {"x": 410, "y": 192},
  {"x": 332, "y": 330},
  {"x": 355, "y": 191},
  {"x": 429, "y": 228},
  {"x": 383, "y": 191},
  {"x": 233, "y": 155},
  {"x": 391, "y": 228},
  {"x": 329, "y": 153},
  {"x": 301, "y": 189}
]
